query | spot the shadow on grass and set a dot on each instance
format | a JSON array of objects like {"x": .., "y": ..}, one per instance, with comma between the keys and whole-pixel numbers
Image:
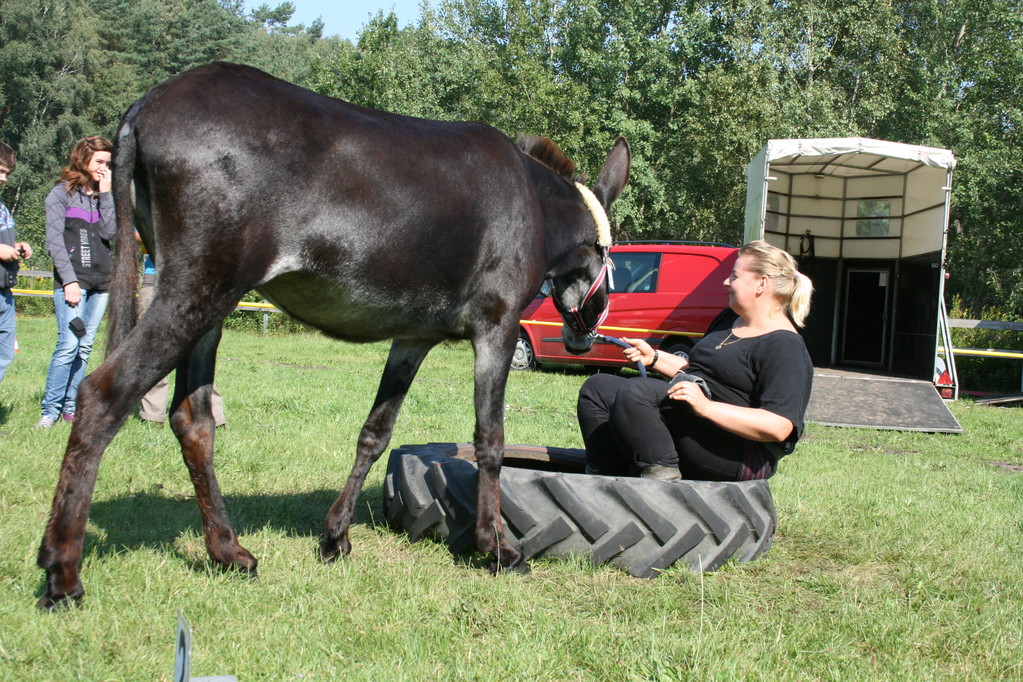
[
  {"x": 153, "y": 519},
  {"x": 577, "y": 370},
  {"x": 156, "y": 520}
]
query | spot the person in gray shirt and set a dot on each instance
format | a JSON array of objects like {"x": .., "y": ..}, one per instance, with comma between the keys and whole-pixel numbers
[{"x": 80, "y": 222}]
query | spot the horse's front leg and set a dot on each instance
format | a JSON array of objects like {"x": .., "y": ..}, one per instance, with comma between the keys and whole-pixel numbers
[
  {"x": 403, "y": 362},
  {"x": 493, "y": 361},
  {"x": 191, "y": 419}
]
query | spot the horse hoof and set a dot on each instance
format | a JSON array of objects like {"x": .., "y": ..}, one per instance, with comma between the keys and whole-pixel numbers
[
  {"x": 331, "y": 550},
  {"x": 518, "y": 567},
  {"x": 248, "y": 570},
  {"x": 243, "y": 562},
  {"x": 52, "y": 603}
]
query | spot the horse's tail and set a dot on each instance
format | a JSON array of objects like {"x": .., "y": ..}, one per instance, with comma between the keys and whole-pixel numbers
[{"x": 124, "y": 281}]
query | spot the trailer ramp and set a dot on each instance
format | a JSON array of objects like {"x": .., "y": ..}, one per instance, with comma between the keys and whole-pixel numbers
[{"x": 841, "y": 397}]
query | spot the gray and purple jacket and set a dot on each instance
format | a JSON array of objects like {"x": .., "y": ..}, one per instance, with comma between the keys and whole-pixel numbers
[{"x": 79, "y": 228}]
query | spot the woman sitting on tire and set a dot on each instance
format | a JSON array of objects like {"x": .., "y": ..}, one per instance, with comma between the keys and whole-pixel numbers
[{"x": 736, "y": 409}]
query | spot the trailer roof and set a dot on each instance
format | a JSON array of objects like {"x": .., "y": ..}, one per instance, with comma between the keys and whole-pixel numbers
[{"x": 852, "y": 156}]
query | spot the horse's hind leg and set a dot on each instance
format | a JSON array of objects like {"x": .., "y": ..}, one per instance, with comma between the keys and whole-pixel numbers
[
  {"x": 403, "y": 362},
  {"x": 105, "y": 399},
  {"x": 191, "y": 419}
]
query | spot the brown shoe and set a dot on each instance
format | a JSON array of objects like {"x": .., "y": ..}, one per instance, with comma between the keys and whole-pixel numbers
[{"x": 659, "y": 473}]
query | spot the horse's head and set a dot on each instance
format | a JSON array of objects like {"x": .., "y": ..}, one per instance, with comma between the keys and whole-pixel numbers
[
  {"x": 581, "y": 296},
  {"x": 581, "y": 283}
]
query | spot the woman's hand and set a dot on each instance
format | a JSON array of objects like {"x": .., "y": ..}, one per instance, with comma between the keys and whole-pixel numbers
[
  {"x": 8, "y": 253},
  {"x": 641, "y": 351},
  {"x": 103, "y": 176},
  {"x": 24, "y": 250},
  {"x": 690, "y": 392},
  {"x": 72, "y": 294},
  {"x": 663, "y": 363}
]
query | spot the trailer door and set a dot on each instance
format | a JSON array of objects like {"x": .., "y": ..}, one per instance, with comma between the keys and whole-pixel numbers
[{"x": 867, "y": 297}]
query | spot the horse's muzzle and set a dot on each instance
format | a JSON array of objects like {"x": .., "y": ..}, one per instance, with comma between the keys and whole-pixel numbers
[{"x": 575, "y": 343}]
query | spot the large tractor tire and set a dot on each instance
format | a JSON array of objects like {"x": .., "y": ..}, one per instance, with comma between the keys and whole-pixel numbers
[{"x": 642, "y": 526}]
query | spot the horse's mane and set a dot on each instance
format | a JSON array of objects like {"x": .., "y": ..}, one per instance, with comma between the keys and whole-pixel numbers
[{"x": 545, "y": 151}]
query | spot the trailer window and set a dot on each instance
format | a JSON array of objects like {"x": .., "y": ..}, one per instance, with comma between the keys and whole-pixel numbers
[{"x": 873, "y": 218}]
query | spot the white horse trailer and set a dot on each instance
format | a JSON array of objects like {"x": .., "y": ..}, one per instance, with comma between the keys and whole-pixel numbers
[{"x": 868, "y": 222}]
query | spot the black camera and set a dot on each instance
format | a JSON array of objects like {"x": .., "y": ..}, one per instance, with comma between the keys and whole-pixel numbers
[
  {"x": 77, "y": 327},
  {"x": 8, "y": 274}
]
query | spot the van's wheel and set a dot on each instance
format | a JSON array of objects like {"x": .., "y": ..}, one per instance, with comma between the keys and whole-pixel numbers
[
  {"x": 679, "y": 347},
  {"x": 524, "y": 358},
  {"x": 642, "y": 526}
]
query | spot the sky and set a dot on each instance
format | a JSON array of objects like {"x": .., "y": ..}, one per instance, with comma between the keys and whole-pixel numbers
[{"x": 345, "y": 17}]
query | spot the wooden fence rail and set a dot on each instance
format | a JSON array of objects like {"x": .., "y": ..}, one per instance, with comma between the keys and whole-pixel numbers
[{"x": 986, "y": 324}]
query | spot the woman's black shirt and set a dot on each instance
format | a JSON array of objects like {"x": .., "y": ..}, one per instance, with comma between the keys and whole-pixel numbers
[{"x": 771, "y": 372}]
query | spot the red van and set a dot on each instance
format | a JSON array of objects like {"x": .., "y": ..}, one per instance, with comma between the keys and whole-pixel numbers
[{"x": 664, "y": 292}]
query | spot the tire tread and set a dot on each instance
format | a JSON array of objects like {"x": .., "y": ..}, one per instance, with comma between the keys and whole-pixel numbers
[{"x": 639, "y": 525}]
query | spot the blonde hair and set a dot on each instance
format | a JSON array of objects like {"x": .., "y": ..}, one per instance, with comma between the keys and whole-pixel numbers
[{"x": 792, "y": 286}]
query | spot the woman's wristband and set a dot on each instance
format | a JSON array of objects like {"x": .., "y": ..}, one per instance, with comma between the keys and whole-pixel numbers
[{"x": 657, "y": 355}]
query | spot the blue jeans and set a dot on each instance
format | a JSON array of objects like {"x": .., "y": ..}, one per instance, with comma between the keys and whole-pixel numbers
[
  {"x": 6, "y": 330},
  {"x": 71, "y": 356}
]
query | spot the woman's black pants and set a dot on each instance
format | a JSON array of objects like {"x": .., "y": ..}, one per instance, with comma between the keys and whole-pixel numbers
[{"x": 630, "y": 424}]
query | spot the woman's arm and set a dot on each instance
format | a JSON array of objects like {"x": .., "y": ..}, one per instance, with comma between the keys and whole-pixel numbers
[
  {"x": 748, "y": 422},
  {"x": 56, "y": 211},
  {"x": 105, "y": 204},
  {"x": 751, "y": 423},
  {"x": 107, "y": 215}
]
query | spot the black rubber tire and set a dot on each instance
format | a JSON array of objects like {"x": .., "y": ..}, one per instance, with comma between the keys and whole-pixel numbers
[
  {"x": 524, "y": 358},
  {"x": 641, "y": 526}
]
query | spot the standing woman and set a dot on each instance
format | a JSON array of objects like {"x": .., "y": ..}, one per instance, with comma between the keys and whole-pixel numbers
[
  {"x": 80, "y": 223},
  {"x": 733, "y": 409}
]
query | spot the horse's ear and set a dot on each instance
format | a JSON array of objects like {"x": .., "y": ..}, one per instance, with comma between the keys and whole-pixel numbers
[{"x": 614, "y": 174}]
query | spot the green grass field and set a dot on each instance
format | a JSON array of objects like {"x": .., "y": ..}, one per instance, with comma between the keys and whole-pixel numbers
[{"x": 897, "y": 555}]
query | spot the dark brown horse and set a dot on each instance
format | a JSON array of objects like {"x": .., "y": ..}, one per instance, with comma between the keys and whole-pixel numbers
[{"x": 364, "y": 224}]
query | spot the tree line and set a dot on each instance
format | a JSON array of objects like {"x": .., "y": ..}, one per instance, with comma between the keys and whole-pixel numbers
[{"x": 697, "y": 86}]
